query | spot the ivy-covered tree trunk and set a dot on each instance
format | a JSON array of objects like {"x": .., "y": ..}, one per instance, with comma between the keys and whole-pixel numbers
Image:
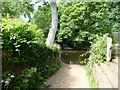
[{"x": 54, "y": 23}]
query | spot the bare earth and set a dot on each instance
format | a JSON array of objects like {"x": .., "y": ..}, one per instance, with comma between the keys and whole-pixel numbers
[{"x": 69, "y": 76}]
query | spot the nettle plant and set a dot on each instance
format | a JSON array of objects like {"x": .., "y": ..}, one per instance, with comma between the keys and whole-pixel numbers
[{"x": 79, "y": 22}]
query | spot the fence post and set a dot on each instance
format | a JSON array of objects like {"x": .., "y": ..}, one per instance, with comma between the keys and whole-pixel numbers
[
  {"x": 108, "y": 41},
  {"x": 109, "y": 45}
]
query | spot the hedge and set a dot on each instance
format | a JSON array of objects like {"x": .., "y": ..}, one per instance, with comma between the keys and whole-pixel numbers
[{"x": 27, "y": 61}]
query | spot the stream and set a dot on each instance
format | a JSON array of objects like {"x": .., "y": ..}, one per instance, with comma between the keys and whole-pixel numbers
[{"x": 73, "y": 56}]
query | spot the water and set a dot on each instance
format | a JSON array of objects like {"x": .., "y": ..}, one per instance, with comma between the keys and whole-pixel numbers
[{"x": 73, "y": 56}]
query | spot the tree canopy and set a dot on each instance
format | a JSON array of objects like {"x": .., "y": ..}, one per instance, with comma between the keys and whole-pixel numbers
[
  {"x": 80, "y": 21},
  {"x": 42, "y": 18},
  {"x": 15, "y": 9}
]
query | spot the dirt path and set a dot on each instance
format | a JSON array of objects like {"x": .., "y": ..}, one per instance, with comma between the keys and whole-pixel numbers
[{"x": 69, "y": 76}]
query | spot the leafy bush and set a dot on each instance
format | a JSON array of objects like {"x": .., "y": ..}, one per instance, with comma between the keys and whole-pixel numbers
[
  {"x": 18, "y": 81},
  {"x": 17, "y": 36},
  {"x": 97, "y": 55},
  {"x": 97, "y": 51},
  {"x": 25, "y": 55}
]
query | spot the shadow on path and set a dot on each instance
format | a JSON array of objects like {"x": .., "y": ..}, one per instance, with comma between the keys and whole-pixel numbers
[{"x": 69, "y": 76}]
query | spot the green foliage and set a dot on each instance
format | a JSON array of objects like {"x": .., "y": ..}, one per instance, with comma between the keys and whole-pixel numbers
[
  {"x": 97, "y": 55},
  {"x": 18, "y": 35},
  {"x": 18, "y": 81},
  {"x": 50, "y": 70},
  {"x": 92, "y": 81},
  {"x": 42, "y": 18},
  {"x": 79, "y": 22},
  {"x": 97, "y": 51},
  {"x": 25, "y": 55},
  {"x": 39, "y": 56},
  {"x": 7, "y": 78},
  {"x": 15, "y": 9},
  {"x": 85, "y": 59}
]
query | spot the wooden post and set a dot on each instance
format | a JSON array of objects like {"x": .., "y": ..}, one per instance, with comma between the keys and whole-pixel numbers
[
  {"x": 109, "y": 45},
  {"x": 108, "y": 41}
]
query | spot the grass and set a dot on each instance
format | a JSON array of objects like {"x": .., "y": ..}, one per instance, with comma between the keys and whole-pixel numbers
[{"x": 91, "y": 79}]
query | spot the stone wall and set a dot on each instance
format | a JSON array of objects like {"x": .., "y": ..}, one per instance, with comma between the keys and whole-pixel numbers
[{"x": 106, "y": 75}]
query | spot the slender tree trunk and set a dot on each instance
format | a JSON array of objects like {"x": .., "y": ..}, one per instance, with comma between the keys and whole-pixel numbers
[{"x": 54, "y": 23}]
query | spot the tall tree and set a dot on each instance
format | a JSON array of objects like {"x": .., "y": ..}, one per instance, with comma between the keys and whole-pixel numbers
[
  {"x": 54, "y": 23},
  {"x": 15, "y": 9}
]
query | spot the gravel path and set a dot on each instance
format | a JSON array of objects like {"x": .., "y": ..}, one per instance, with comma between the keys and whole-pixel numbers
[{"x": 69, "y": 76}]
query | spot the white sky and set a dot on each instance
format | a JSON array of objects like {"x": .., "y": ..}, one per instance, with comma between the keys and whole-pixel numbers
[{"x": 35, "y": 7}]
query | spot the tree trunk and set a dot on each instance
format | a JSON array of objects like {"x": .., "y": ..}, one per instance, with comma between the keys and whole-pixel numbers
[{"x": 54, "y": 23}]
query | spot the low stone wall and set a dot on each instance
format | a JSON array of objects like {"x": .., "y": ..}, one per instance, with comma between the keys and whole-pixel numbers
[{"x": 106, "y": 75}]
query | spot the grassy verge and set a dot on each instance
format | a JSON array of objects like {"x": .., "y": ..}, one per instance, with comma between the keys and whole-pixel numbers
[{"x": 92, "y": 81}]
